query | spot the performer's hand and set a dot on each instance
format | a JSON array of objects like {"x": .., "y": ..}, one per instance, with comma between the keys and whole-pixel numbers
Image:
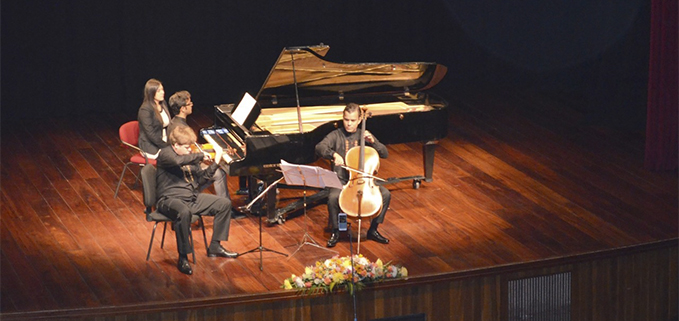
[
  {"x": 219, "y": 151},
  {"x": 206, "y": 157},
  {"x": 369, "y": 137},
  {"x": 339, "y": 161}
]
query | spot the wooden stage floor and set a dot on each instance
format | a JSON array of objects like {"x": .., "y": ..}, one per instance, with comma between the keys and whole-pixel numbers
[{"x": 520, "y": 178}]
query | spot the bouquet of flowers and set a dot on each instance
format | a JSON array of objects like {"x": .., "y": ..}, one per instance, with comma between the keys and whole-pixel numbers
[{"x": 336, "y": 272}]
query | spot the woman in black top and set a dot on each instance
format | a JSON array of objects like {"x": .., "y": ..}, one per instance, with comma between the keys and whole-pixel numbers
[{"x": 153, "y": 117}]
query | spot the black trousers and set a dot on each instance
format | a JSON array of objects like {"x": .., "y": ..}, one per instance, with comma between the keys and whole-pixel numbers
[
  {"x": 334, "y": 208},
  {"x": 205, "y": 204},
  {"x": 220, "y": 183}
]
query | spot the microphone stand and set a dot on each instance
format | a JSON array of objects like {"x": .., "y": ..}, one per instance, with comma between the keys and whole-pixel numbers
[
  {"x": 359, "y": 196},
  {"x": 351, "y": 256},
  {"x": 261, "y": 248}
]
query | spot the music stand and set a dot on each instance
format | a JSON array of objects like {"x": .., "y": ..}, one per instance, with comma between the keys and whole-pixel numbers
[
  {"x": 314, "y": 176},
  {"x": 261, "y": 248}
]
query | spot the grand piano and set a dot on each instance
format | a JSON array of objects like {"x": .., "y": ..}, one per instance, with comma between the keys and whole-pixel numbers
[{"x": 301, "y": 101}]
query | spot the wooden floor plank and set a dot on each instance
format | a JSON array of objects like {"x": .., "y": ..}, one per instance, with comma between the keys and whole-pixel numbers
[
  {"x": 21, "y": 285},
  {"x": 61, "y": 278},
  {"x": 566, "y": 182}
]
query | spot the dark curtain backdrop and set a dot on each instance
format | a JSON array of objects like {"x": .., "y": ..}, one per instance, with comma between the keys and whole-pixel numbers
[
  {"x": 662, "y": 120},
  {"x": 80, "y": 56},
  {"x": 73, "y": 57}
]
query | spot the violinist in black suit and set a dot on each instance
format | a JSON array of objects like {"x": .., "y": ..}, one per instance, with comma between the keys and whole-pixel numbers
[{"x": 178, "y": 179}]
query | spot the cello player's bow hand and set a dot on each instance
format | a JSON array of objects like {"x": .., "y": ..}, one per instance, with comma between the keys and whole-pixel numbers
[{"x": 338, "y": 160}]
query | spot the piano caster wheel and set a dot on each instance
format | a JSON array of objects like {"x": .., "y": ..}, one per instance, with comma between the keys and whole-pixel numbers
[{"x": 416, "y": 184}]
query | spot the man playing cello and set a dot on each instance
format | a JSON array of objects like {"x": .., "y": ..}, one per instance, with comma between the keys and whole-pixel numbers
[{"x": 334, "y": 147}]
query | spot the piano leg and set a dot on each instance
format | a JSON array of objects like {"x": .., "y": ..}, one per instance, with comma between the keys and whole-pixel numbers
[
  {"x": 242, "y": 185},
  {"x": 271, "y": 216},
  {"x": 428, "y": 150},
  {"x": 251, "y": 185},
  {"x": 267, "y": 206}
]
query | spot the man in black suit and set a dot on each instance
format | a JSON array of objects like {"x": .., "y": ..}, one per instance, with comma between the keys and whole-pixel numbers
[
  {"x": 181, "y": 107},
  {"x": 178, "y": 179}
]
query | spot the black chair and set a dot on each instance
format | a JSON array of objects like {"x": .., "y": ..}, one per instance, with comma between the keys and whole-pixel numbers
[{"x": 148, "y": 179}]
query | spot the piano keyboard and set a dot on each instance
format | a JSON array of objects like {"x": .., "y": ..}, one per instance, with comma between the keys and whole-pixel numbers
[{"x": 227, "y": 140}]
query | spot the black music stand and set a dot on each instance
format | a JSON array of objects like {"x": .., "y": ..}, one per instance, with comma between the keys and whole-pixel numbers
[
  {"x": 261, "y": 248},
  {"x": 314, "y": 176}
]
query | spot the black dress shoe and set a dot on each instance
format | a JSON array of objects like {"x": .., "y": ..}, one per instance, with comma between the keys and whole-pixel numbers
[
  {"x": 377, "y": 237},
  {"x": 221, "y": 252},
  {"x": 334, "y": 237},
  {"x": 184, "y": 266}
]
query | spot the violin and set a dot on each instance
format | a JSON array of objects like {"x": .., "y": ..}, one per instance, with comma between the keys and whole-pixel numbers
[
  {"x": 208, "y": 148},
  {"x": 361, "y": 197},
  {"x": 200, "y": 148}
]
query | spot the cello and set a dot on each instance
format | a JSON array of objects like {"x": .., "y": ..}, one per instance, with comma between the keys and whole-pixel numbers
[{"x": 360, "y": 196}]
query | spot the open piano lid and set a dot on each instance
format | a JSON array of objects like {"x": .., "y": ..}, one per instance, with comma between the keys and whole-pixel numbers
[{"x": 318, "y": 79}]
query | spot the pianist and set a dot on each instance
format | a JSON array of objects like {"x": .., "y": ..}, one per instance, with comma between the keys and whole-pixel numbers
[
  {"x": 334, "y": 148},
  {"x": 181, "y": 107},
  {"x": 178, "y": 177}
]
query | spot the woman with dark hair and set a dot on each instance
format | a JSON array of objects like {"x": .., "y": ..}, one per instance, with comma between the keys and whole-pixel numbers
[{"x": 153, "y": 117}]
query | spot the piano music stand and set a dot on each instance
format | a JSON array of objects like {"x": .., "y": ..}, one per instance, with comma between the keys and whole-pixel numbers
[
  {"x": 306, "y": 176},
  {"x": 261, "y": 248}
]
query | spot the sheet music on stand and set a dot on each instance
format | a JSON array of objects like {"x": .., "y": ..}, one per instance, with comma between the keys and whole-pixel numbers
[{"x": 306, "y": 175}]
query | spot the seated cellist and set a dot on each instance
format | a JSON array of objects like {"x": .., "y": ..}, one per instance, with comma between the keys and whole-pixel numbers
[{"x": 334, "y": 148}]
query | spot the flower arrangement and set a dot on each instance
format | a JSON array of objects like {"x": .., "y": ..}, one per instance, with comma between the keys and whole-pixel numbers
[{"x": 335, "y": 273}]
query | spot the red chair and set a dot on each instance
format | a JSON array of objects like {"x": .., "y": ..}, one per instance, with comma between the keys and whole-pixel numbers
[{"x": 129, "y": 135}]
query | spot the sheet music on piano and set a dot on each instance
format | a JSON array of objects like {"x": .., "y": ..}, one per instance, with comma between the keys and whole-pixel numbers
[{"x": 244, "y": 108}]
